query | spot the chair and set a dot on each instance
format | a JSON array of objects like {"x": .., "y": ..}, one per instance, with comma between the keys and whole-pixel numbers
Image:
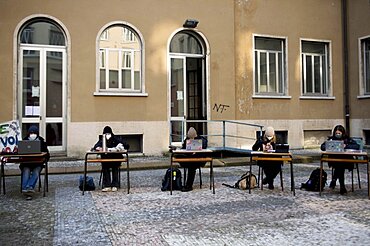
[
  {"x": 46, "y": 179},
  {"x": 260, "y": 173},
  {"x": 119, "y": 177},
  {"x": 200, "y": 176}
]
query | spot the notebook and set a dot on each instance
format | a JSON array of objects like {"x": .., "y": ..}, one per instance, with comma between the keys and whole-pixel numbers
[
  {"x": 194, "y": 144},
  {"x": 334, "y": 146},
  {"x": 29, "y": 147},
  {"x": 282, "y": 148}
]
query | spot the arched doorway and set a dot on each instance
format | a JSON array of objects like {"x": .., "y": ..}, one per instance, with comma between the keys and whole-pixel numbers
[
  {"x": 42, "y": 80},
  {"x": 188, "y": 87}
]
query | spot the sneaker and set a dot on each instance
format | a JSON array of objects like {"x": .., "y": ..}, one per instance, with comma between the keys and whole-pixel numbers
[
  {"x": 106, "y": 189},
  {"x": 332, "y": 184},
  {"x": 114, "y": 189},
  {"x": 343, "y": 190},
  {"x": 271, "y": 187}
]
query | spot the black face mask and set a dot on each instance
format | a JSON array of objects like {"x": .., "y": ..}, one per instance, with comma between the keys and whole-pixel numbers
[{"x": 338, "y": 135}]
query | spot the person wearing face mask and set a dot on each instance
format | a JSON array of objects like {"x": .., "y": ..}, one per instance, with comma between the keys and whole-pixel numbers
[
  {"x": 31, "y": 171},
  {"x": 271, "y": 169},
  {"x": 110, "y": 183},
  {"x": 339, "y": 133}
]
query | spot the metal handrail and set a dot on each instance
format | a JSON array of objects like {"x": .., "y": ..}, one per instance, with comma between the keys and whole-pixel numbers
[{"x": 223, "y": 135}]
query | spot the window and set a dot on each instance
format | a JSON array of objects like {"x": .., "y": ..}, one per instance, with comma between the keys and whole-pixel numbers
[
  {"x": 269, "y": 66},
  {"x": 120, "y": 60},
  {"x": 315, "y": 68},
  {"x": 365, "y": 65}
]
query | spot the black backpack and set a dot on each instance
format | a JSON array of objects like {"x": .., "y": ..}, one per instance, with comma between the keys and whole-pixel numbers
[
  {"x": 313, "y": 183},
  {"x": 176, "y": 180},
  {"x": 89, "y": 184}
]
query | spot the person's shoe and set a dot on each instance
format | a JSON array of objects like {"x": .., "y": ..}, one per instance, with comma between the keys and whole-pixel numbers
[
  {"x": 114, "y": 189},
  {"x": 31, "y": 190},
  {"x": 106, "y": 189},
  {"x": 332, "y": 184},
  {"x": 186, "y": 189},
  {"x": 271, "y": 186},
  {"x": 343, "y": 190},
  {"x": 264, "y": 181}
]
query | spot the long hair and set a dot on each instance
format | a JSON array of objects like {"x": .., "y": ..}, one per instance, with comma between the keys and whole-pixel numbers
[{"x": 341, "y": 129}]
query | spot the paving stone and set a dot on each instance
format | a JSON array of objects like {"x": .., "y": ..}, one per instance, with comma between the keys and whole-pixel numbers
[{"x": 148, "y": 216}]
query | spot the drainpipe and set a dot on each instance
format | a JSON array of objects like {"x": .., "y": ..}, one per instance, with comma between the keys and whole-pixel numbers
[{"x": 345, "y": 66}]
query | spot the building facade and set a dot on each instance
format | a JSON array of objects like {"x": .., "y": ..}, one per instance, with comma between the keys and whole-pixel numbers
[{"x": 150, "y": 69}]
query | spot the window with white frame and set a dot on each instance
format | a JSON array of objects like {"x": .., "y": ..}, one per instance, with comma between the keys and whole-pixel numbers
[
  {"x": 315, "y": 68},
  {"x": 365, "y": 65},
  {"x": 120, "y": 61},
  {"x": 269, "y": 66}
]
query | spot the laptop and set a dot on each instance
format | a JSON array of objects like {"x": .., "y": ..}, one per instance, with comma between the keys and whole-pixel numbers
[
  {"x": 282, "y": 148},
  {"x": 334, "y": 146},
  {"x": 194, "y": 144},
  {"x": 29, "y": 147}
]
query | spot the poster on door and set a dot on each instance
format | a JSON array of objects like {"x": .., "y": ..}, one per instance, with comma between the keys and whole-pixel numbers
[{"x": 10, "y": 133}]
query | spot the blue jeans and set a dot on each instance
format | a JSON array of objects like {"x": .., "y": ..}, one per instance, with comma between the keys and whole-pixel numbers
[{"x": 30, "y": 176}]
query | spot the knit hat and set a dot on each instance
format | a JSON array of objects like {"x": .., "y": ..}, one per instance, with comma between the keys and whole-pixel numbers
[
  {"x": 33, "y": 129},
  {"x": 107, "y": 129},
  {"x": 192, "y": 133},
  {"x": 270, "y": 132}
]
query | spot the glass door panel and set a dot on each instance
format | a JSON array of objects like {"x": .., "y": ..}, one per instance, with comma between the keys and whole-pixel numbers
[
  {"x": 177, "y": 87},
  {"x": 31, "y": 84},
  {"x": 54, "y": 82}
]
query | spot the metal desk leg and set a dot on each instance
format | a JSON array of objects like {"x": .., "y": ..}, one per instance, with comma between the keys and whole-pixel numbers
[
  {"x": 250, "y": 177},
  {"x": 320, "y": 177},
  {"x": 171, "y": 175},
  {"x": 212, "y": 177},
  {"x": 3, "y": 174},
  {"x": 292, "y": 178},
  {"x": 368, "y": 183},
  {"x": 128, "y": 175},
  {"x": 85, "y": 171}
]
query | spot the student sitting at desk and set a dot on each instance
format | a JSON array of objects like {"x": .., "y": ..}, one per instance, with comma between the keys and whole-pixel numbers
[
  {"x": 31, "y": 172},
  {"x": 271, "y": 169},
  {"x": 339, "y": 133},
  {"x": 110, "y": 183},
  {"x": 192, "y": 167}
]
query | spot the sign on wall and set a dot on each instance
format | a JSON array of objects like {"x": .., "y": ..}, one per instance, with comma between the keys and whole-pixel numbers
[{"x": 10, "y": 133}]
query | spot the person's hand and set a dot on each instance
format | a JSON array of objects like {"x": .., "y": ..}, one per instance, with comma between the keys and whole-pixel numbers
[{"x": 99, "y": 148}]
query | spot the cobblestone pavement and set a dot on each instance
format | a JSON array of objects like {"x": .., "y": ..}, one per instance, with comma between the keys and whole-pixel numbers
[{"x": 148, "y": 216}]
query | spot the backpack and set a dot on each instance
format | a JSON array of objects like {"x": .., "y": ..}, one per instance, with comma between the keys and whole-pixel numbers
[
  {"x": 89, "y": 184},
  {"x": 243, "y": 182},
  {"x": 176, "y": 180},
  {"x": 313, "y": 183}
]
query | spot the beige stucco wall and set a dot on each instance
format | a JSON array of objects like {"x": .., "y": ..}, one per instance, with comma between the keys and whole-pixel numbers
[
  {"x": 228, "y": 27},
  {"x": 293, "y": 20}
]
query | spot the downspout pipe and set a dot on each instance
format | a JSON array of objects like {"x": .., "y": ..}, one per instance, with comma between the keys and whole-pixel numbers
[{"x": 345, "y": 67}]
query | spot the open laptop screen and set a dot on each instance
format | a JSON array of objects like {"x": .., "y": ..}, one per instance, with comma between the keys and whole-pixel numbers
[
  {"x": 194, "y": 144},
  {"x": 29, "y": 147}
]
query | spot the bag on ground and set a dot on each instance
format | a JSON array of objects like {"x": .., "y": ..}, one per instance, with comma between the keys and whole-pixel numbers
[
  {"x": 244, "y": 181},
  {"x": 89, "y": 184},
  {"x": 313, "y": 183},
  {"x": 176, "y": 180}
]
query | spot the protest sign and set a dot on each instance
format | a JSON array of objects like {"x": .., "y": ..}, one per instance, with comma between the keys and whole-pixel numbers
[{"x": 10, "y": 133}]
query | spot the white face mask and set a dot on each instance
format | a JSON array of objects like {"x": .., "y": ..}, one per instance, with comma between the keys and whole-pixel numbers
[
  {"x": 269, "y": 138},
  {"x": 32, "y": 136},
  {"x": 108, "y": 136}
]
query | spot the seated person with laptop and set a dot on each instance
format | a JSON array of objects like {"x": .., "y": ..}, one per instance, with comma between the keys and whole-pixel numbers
[
  {"x": 31, "y": 171},
  {"x": 268, "y": 143},
  {"x": 193, "y": 166},
  {"x": 338, "y": 142}
]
